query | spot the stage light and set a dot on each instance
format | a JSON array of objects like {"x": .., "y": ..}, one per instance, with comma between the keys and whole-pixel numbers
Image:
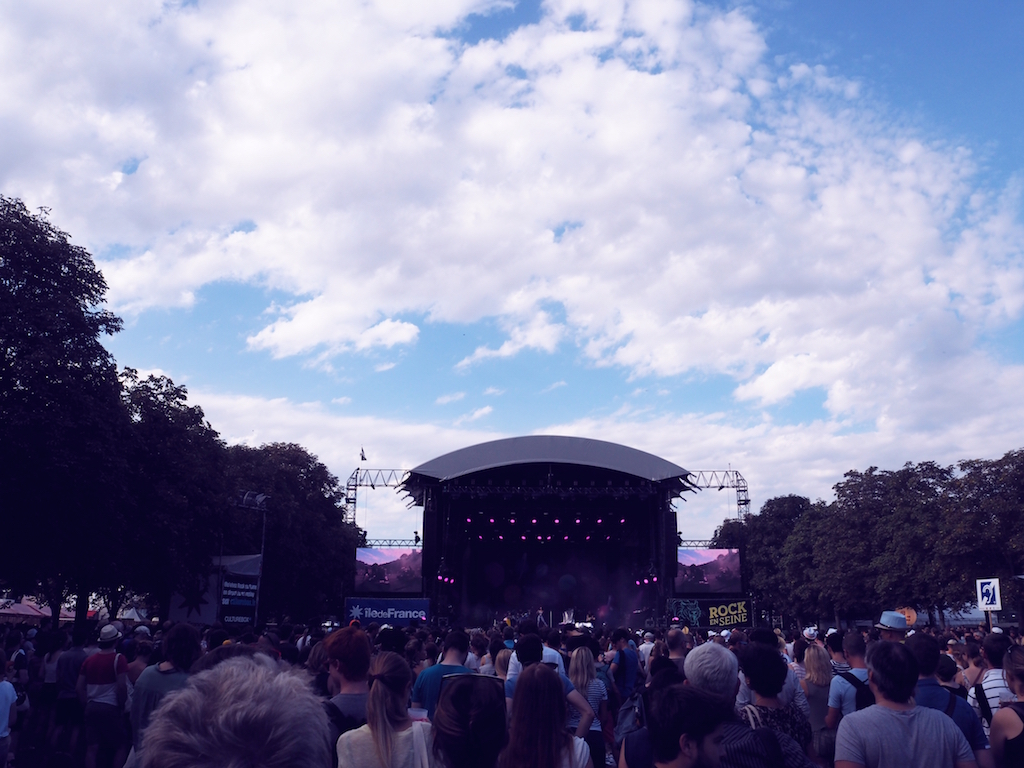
[
  {"x": 638, "y": 582},
  {"x": 622, "y": 521},
  {"x": 468, "y": 520},
  {"x": 556, "y": 521},
  {"x": 588, "y": 538},
  {"x": 655, "y": 579},
  {"x": 599, "y": 521},
  {"x": 646, "y": 581},
  {"x": 523, "y": 538},
  {"x": 540, "y": 538},
  {"x": 492, "y": 521},
  {"x": 481, "y": 538},
  {"x": 500, "y": 537},
  {"x": 565, "y": 538},
  {"x": 577, "y": 521},
  {"x": 512, "y": 521},
  {"x": 534, "y": 521},
  {"x": 549, "y": 538}
]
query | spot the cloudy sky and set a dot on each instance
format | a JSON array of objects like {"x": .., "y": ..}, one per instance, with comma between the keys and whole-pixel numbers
[{"x": 781, "y": 236}]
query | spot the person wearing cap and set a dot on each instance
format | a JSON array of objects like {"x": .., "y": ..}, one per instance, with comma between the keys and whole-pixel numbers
[
  {"x": 645, "y": 650},
  {"x": 103, "y": 689},
  {"x": 811, "y": 635},
  {"x": 892, "y": 626}
]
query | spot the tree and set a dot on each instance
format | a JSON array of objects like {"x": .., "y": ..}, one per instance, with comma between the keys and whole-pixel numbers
[
  {"x": 61, "y": 421},
  {"x": 177, "y": 464},
  {"x": 310, "y": 551}
]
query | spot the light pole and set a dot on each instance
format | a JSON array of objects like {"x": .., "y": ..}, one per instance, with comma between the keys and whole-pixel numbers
[{"x": 257, "y": 501}]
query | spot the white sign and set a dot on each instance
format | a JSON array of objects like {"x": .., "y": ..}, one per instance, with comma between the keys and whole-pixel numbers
[{"x": 988, "y": 595}]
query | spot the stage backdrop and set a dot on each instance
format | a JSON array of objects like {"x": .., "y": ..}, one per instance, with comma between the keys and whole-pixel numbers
[
  {"x": 389, "y": 570},
  {"x": 708, "y": 571}
]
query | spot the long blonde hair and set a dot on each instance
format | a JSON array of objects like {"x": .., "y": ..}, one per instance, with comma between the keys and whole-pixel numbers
[
  {"x": 501, "y": 663},
  {"x": 386, "y": 706},
  {"x": 581, "y": 669},
  {"x": 816, "y": 662}
]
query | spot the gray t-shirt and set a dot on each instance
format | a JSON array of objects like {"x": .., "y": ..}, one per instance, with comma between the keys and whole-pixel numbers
[{"x": 914, "y": 738}]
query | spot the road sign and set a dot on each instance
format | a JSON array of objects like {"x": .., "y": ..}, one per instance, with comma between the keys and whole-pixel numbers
[{"x": 988, "y": 595}]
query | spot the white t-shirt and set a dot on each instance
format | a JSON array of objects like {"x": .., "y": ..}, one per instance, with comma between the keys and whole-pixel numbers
[
  {"x": 578, "y": 756},
  {"x": 551, "y": 656},
  {"x": 7, "y": 698}
]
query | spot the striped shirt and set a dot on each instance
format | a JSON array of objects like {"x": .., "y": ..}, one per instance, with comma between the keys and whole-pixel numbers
[{"x": 596, "y": 693}]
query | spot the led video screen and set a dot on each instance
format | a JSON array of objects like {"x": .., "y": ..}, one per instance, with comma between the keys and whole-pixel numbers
[
  {"x": 389, "y": 569},
  {"x": 708, "y": 571}
]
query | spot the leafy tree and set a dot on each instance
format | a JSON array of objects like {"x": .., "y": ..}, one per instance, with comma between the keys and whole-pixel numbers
[
  {"x": 177, "y": 464},
  {"x": 62, "y": 426},
  {"x": 309, "y": 560}
]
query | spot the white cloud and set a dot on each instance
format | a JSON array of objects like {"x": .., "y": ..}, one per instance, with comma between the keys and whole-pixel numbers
[
  {"x": 341, "y": 400},
  {"x": 650, "y": 192},
  {"x": 479, "y": 413},
  {"x": 552, "y": 387},
  {"x": 452, "y": 398},
  {"x": 381, "y": 367},
  {"x": 494, "y": 391}
]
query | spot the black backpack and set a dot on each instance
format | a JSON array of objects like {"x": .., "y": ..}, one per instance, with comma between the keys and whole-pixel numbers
[{"x": 865, "y": 698}]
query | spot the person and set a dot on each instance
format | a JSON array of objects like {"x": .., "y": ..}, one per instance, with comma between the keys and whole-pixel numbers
[
  {"x": 551, "y": 656},
  {"x": 389, "y": 739},
  {"x": 986, "y": 696},
  {"x": 946, "y": 673},
  {"x": 713, "y": 669},
  {"x": 816, "y": 684},
  {"x": 501, "y": 663},
  {"x": 428, "y": 682},
  {"x": 348, "y": 653},
  {"x": 896, "y": 732},
  {"x": 845, "y": 689},
  {"x": 530, "y": 651},
  {"x": 791, "y": 691},
  {"x": 930, "y": 693},
  {"x": 625, "y": 665},
  {"x": 764, "y": 671},
  {"x": 8, "y": 717},
  {"x": 469, "y": 723},
  {"x": 971, "y": 674},
  {"x": 675, "y": 639},
  {"x": 834, "y": 646},
  {"x": 686, "y": 727},
  {"x": 1007, "y": 732},
  {"x": 247, "y": 710},
  {"x": 537, "y": 734},
  {"x": 892, "y": 626},
  {"x": 583, "y": 674},
  {"x": 644, "y": 651},
  {"x": 68, "y": 711},
  {"x": 799, "y": 655},
  {"x": 181, "y": 650},
  {"x": 103, "y": 689}
]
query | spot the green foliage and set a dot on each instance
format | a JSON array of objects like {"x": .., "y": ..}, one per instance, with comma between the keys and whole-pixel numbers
[{"x": 309, "y": 560}]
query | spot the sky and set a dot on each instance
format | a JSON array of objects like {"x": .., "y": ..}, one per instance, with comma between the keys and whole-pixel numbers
[{"x": 779, "y": 237}]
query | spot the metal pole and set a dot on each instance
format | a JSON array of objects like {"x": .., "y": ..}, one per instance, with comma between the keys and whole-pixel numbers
[{"x": 259, "y": 579}]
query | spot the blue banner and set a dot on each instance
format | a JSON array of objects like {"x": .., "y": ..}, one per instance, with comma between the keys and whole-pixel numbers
[{"x": 397, "y": 611}]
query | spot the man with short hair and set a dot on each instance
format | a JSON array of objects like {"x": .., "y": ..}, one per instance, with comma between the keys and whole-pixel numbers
[
  {"x": 625, "y": 667},
  {"x": 686, "y": 727},
  {"x": 551, "y": 656},
  {"x": 714, "y": 669},
  {"x": 791, "y": 691},
  {"x": 993, "y": 682},
  {"x": 837, "y": 657},
  {"x": 930, "y": 693},
  {"x": 427, "y": 688},
  {"x": 645, "y": 649},
  {"x": 896, "y": 732},
  {"x": 675, "y": 640},
  {"x": 348, "y": 662},
  {"x": 842, "y": 692}
]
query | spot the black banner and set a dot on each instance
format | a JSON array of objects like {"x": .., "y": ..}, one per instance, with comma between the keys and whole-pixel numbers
[
  {"x": 703, "y": 613},
  {"x": 238, "y": 600}
]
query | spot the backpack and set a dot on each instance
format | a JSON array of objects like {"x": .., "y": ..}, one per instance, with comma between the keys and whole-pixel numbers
[
  {"x": 983, "y": 705},
  {"x": 865, "y": 698},
  {"x": 340, "y": 723},
  {"x": 631, "y": 717}
]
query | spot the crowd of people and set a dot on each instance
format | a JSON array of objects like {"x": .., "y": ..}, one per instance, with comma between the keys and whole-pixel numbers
[{"x": 511, "y": 696}]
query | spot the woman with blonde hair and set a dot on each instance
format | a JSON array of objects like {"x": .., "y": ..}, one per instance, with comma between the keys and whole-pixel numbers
[
  {"x": 501, "y": 663},
  {"x": 583, "y": 675},
  {"x": 389, "y": 739},
  {"x": 816, "y": 683}
]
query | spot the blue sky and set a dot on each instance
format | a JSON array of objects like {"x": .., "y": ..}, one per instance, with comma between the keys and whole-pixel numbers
[{"x": 781, "y": 237}]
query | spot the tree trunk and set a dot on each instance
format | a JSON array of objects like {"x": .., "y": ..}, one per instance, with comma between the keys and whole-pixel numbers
[{"x": 81, "y": 608}]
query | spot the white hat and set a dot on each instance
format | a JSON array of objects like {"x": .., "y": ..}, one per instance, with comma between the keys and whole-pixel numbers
[
  {"x": 810, "y": 633},
  {"x": 997, "y": 630}
]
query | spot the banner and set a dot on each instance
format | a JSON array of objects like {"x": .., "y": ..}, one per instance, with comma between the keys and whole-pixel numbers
[
  {"x": 711, "y": 614},
  {"x": 238, "y": 600},
  {"x": 384, "y": 610}
]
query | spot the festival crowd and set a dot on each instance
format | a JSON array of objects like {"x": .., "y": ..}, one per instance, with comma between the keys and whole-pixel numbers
[{"x": 514, "y": 695}]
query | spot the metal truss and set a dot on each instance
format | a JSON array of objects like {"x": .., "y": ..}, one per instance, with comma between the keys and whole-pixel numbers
[
  {"x": 370, "y": 478},
  {"x": 410, "y": 543},
  {"x": 695, "y": 543},
  {"x": 720, "y": 479}
]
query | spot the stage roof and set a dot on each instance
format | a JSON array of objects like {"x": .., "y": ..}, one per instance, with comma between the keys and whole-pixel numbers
[{"x": 553, "y": 449}]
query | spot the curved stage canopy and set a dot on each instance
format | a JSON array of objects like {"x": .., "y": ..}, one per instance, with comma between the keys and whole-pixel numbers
[
  {"x": 549, "y": 522},
  {"x": 554, "y": 449}
]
